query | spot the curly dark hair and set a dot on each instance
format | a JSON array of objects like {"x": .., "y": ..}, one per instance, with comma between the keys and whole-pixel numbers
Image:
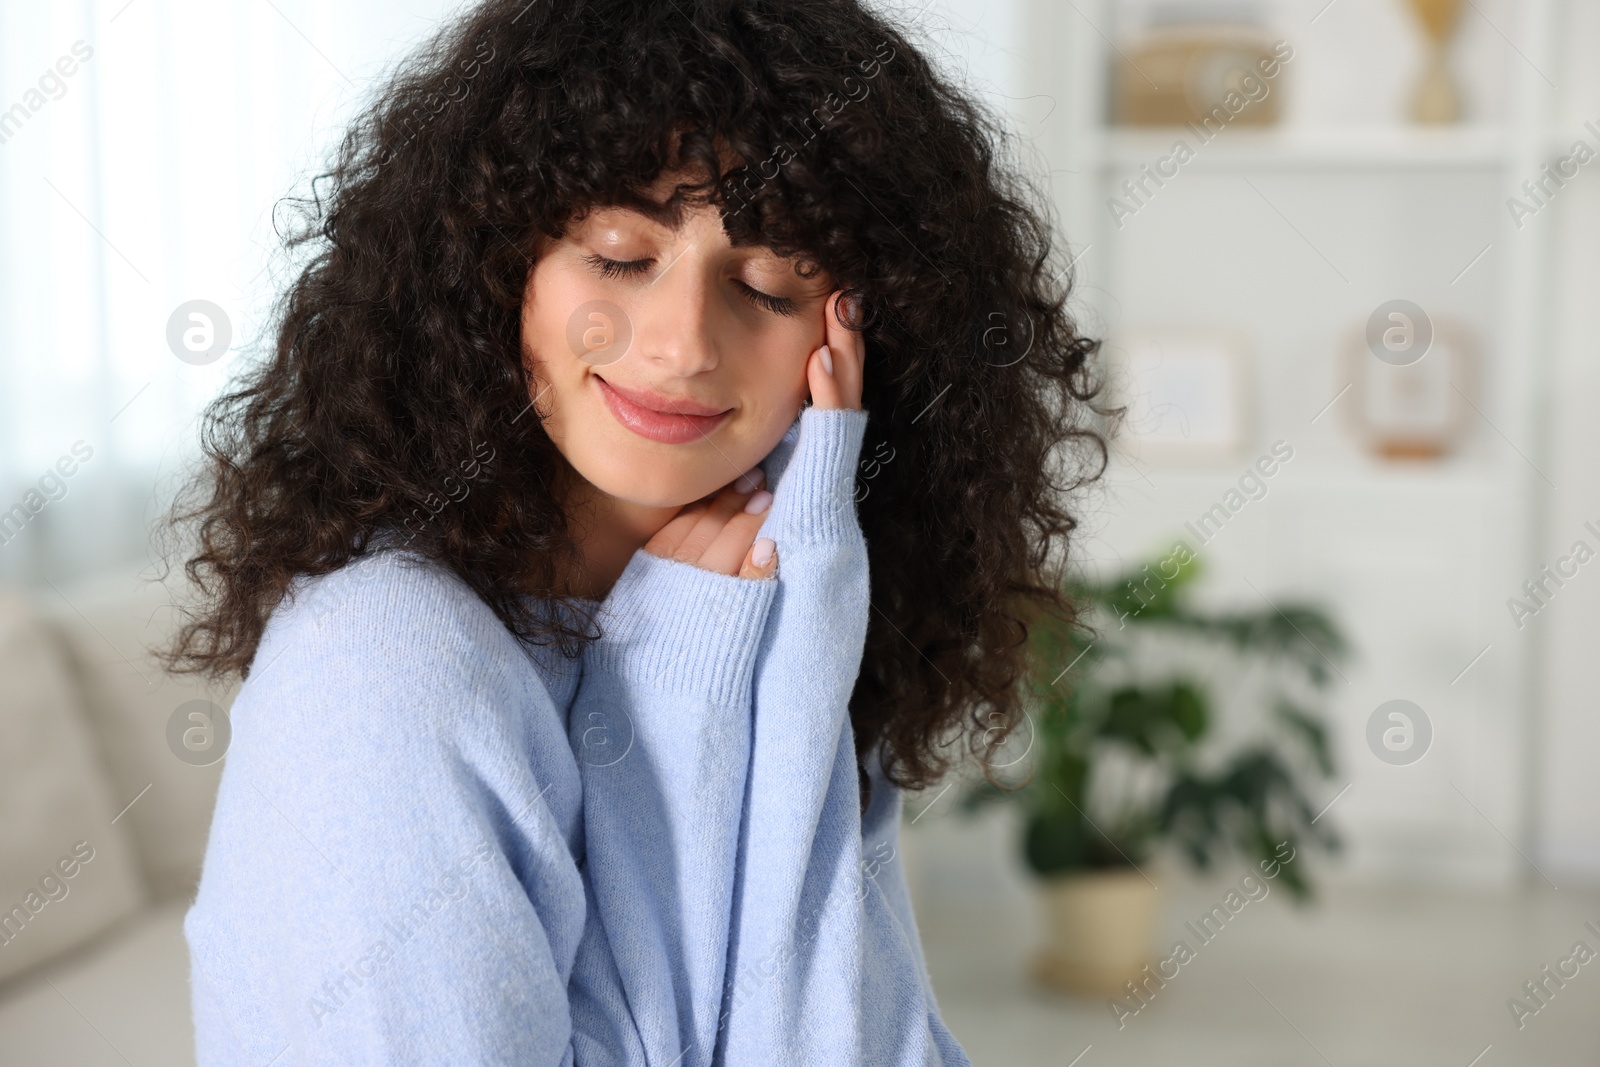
[{"x": 820, "y": 132}]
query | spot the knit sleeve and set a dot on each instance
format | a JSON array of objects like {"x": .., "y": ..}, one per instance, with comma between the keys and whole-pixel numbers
[
  {"x": 391, "y": 873},
  {"x": 824, "y": 964}
]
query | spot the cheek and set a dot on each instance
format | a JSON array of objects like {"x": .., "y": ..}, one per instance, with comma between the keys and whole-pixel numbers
[
  {"x": 551, "y": 299},
  {"x": 769, "y": 371},
  {"x": 556, "y": 298}
]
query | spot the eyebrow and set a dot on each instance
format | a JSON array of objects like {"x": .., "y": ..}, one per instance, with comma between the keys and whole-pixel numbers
[{"x": 668, "y": 214}]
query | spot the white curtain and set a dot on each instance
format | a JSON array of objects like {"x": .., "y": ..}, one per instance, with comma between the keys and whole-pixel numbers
[{"x": 142, "y": 147}]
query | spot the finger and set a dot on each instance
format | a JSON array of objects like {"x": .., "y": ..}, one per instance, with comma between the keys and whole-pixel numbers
[
  {"x": 669, "y": 537},
  {"x": 847, "y": 350},
  {"x": 710, "y": 522},
  {"x": 765, "y": 549},
  {"x": 731, "y": 547},
  {"x": 824, "y": 389}
]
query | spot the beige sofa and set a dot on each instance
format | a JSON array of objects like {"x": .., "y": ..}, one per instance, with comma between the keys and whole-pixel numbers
[{"x": 108, "y": 773}]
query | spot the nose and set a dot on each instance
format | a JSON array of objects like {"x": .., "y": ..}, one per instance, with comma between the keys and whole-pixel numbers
[{"x": 675, "y": 333}]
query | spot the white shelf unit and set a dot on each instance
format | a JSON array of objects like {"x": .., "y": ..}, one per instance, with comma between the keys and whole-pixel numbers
[
  {"x": 1124, "y": 150},
  {"x": 1295, "y": 234}
]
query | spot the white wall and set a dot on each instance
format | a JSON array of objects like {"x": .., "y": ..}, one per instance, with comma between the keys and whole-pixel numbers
[
  {"x": 1569, "y": 745},
  {"x": 150, "y": 182}
]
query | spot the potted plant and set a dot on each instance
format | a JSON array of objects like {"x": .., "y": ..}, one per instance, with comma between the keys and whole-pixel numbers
[{"x": 1150, "y": 723}]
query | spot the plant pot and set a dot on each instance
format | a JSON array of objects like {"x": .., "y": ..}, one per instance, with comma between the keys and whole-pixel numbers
[{"x": 1102, "y": 927}]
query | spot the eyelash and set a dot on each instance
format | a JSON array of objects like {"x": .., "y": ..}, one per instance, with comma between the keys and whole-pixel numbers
[
  {"x": 778, "y": 305},
  {"x": 617, "y": 268}
]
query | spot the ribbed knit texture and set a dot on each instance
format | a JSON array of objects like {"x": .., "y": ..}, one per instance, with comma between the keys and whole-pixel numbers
[{"x": 434, "y": 844}]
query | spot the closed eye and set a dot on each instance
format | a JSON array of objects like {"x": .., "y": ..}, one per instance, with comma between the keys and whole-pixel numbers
[
  {"x": 778, "y": 305},
  {"x": 632, "y": 268},
  {"x": 618, "y": 268}
]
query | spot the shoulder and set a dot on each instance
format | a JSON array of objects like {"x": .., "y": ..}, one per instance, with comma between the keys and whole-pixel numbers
[
  {"x": 389, "y": 599},
  {"x": 391, "y": 648}
]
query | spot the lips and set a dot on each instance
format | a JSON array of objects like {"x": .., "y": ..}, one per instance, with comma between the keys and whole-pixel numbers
[{"x": 658, "y": 418}]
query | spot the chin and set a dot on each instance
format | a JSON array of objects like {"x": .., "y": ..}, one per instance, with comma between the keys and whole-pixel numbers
[{"x": 654, "y": 481}]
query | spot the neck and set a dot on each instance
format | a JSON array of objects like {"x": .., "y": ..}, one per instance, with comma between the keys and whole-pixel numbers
[{"x": 608, "y": 531}]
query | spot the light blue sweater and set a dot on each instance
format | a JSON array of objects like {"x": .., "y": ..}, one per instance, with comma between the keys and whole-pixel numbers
[{"x": 434, "y": 844}]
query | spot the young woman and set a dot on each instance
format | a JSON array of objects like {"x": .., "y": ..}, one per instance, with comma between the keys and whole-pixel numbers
[{"x": 661, "y": 455}]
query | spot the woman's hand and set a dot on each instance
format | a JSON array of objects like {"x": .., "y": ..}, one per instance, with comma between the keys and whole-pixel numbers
[
  {"x": 834, "y": 371},
  {"x": 719, "y": 533}
]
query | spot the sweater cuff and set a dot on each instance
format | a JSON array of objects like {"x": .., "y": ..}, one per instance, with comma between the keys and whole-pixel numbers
[
  {"x": 815, "y": 496},
  {"x": 675, "y": 626}
]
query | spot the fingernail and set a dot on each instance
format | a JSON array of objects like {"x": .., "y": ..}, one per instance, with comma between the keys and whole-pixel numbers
[
  {"x": 758, "y": 503},
  {"x": 748, "y": 480},
  {"x": 827, "y": 360},
  {"x": 761, "y": 551}
]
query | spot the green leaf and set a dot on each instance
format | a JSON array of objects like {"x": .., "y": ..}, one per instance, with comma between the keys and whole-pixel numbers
[
  {"x": 1189, "y": 711},
  {"x": 1312, "y": 731}
]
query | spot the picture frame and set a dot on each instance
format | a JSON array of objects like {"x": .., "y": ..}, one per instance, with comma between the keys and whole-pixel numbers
[
  {"x": 1188, "y": 390},
  {"x": 1421, "y": 410}
]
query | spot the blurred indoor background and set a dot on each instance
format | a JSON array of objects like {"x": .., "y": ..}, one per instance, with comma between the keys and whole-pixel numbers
[{"x": 1340, "y": 549}]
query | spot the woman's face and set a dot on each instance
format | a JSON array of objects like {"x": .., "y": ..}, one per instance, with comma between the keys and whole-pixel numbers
[{"x": 667, "y": 362}]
